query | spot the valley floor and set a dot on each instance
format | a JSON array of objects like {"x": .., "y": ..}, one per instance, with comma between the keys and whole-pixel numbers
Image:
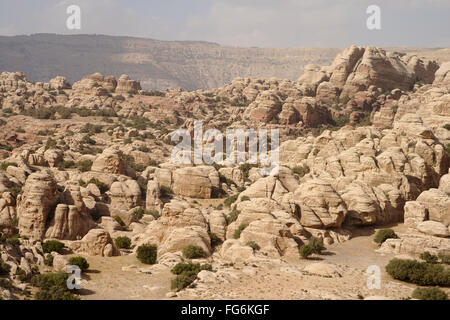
[{"x": 270, "y": 279}]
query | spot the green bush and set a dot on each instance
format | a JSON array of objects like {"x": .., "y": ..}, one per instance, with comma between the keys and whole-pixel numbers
[
  {"x": 5, "y": 165},
  {"x": 122, "y": 242},
  {"x": 230, "y": 200},
  {"x": 190, "y": 267},
  {"x": 428, "y": 257},
  {"x": 165, "y": 191},
  {"x": 52, "y": 245},
  {"x": 140, "y": 212},
  {"x": 48, "y": 261},
  {"x": 233, "y": 216},
  {"x": 193, "y": 252},
  {"x": 238, "y": 231},
  {"x": 420, "y": 273},
  {"x": 186, "y": 274},
  {"x": 301, "y": 170},
  {"x": 14, "y": 241},
  {"x": 215, "y": 240},
  {"x": 245, "y": 198},
  {"x": 147, "y": 254},
  {"x": 182, "y": 281},
  {"x": 80, "y": 262},
  {"x": 305, "y": 251},
  {"x": 53, "y": 286},
  {"x": 445, "y": 258},
  {"x": 84, "y": 165},
  {"x": 316, "y": 244},
  {"x": 4, "y": 267},
  {"x": 429, "y": 294},
  {"x": 253, "y": 245},
  {"x": 103, "y": 187},
  {"x": 384, "y": 234}
]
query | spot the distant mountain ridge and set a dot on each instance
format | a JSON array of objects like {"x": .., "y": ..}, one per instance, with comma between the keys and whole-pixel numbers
[{"x": 156, "y": 64}]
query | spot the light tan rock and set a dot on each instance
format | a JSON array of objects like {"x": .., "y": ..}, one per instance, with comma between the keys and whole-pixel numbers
[
  {"x": 39, "y": 197},
  {"x": 433, "y": 228},
  {"x": 96, "y": 242}
]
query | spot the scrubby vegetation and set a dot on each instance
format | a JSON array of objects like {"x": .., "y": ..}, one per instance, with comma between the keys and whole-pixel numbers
[
  {"x": 122, "y": 242},
  {"x": 80, "y": 262},
  {"x": 147, "y": 254},
  {"x": 384, "y": 234},
  {"x": 193, "y": 252},
  {"x": 420, "y": 273},
  {"x": 238, "y": 231},
  {"x": 52, "y": 246},
  {"x": 253, "y": 245},
  {"x": 53, "y": 286},
  {"x": 429, "y": 294},
  {"x": 314, "y": 246},
  {"x": 186, "y": 274}
]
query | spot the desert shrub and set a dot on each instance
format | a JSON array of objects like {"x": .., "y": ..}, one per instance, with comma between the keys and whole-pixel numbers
[
  {"x": 253, "y": 245},
  {"x": 233, "y": 216},
  {"x": 84, "y": 165},
  {"x": 429, "y": 294},
  {"x": 245, "y": 198},
  {"x": 80, "y": 262},
  {"x": 147, "y": 254},
  {"x": 52, "y": 245},
  {"x": 48, "y": 261},
  {"x": 316, "y": 244},
  {"x": 447, "y": 126},
  {"x": 14, "y": 241},
  {"x": 53, "y": 286},
  {"x": 182, "y": 281},
  {"x": 421, "y": 273},
  {"x": 4, "y": 268},
  {"x": 384, "y": 234},
  {"x": 445, "y": 258},
  {"x": 15, "y": 191},
  {"x": 103, "y": 187},
  {"x": 306, "y": 250},
  {"x": 193, "y": 252},
  {"x": 301, "y": 170},
  {"x": 428, "y": 257},
  {"x": 66, "y": 165},
  {"x": 215, "y": 240},
  {"x": 50, "y": 144},
  {"x": 245, "y": 168},
  {"x": 122, "y": 242},
  {"x": 5, "y": 165},
  {"x": 90, "y": 128},
  {"x": 230, "y": 200},
  {"x": 165, "y": 191},
  {"x": 22, "y": 275},
  {"x": 238, "y": 231},
  {"x": 45, "y": 132},
  {"x": 186, "y": 274},
  {"x": 88, "y": 140},
  {"x": 190, "y": 267}
]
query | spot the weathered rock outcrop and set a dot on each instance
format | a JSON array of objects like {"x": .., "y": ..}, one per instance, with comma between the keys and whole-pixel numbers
[{"x": 39, "y": 197}]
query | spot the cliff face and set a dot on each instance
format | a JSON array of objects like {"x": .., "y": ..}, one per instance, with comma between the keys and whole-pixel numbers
[{"x": 156, "y": 64}]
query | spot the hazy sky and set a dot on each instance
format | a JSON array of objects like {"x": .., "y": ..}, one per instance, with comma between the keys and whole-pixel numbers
[{"x": 261, "y": 23}]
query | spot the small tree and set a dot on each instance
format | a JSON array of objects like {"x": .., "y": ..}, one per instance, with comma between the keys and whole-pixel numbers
[
  {"x": 429, "y": 294},
  {"x": 80, "y": 262},
  {"x": 306, "y": 250},
  {"x": 193, "y": 252},
  {"x": 147, "y": 254},
  {"x": 52, "y": 245},
  {"x": 384, "y": 234},
  {"x": 122, "y": 242}
]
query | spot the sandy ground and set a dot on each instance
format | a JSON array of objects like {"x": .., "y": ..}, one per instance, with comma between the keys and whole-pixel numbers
[{"x": 266, "y": 280}]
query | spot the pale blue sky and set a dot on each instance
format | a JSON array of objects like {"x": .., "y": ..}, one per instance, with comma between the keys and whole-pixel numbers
[{"x": 262, "y": 23}]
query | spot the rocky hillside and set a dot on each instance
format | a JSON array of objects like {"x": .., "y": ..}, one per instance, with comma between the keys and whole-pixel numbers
[
  {"x": 156, "y": 64},
  {"x": 365, "y": 143}
]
